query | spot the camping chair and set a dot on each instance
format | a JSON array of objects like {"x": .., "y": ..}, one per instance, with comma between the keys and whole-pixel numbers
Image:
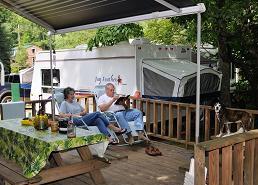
[
  {"x": 98, "y": 91},
  {"x": 12, "y": 110},
  {"x": 59, "y": 98}
]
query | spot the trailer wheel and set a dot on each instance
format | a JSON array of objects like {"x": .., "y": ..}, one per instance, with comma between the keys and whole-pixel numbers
[{"x": 6, "y": 99}]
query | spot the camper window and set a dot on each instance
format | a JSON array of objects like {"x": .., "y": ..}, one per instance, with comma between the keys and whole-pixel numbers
[
  {"x": 210, "y": 83},
  {"x": 46, "y": 80},
  {"x": 156, "y": 84},
  {"x": 12, "y": 78}
]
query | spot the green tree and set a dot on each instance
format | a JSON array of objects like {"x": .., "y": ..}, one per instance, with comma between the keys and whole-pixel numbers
[
  {"x": 230, "y": 26},
  {"x": 111, "y": 35},
  {"x": 163, "y": 31},
  {"x": 5, "y": 48},
  {"x": 21, "y": 58},
  {"x": 245, "y": 50},
  {"x": 26, "y": 32},
  {"x": 5, "y": 39},
  {"x": 70, "y": 40}
]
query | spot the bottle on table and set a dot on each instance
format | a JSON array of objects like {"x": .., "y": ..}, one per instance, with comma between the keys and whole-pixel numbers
[{"x": 71, "y": 130}]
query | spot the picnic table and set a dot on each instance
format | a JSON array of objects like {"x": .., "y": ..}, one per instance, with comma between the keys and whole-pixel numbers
[{"x": 31, "y": 149}]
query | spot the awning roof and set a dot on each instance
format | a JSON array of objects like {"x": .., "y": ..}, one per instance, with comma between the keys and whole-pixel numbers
[{"x": 62, "y": 16}]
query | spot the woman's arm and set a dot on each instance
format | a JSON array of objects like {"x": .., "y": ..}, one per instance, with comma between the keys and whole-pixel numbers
[
  {"x": 84, "y": 112},
  {"x": 64, "y": 115},
  {"x": 67, "y": 115}
]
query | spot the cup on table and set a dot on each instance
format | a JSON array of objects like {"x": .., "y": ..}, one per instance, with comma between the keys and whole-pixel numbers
[{"x": 54, "y": 126}]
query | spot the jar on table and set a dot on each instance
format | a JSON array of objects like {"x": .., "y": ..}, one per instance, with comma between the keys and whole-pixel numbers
[{"x": 71, "y": 129}]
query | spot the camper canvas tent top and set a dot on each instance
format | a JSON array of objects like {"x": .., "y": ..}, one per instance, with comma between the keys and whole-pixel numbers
[
  {"x": 177, "y": 78},
  {"x": 63, "y": 16}
]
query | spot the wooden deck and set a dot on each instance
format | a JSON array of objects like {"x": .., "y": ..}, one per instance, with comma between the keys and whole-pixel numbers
[{"x": 131, "y": 166}]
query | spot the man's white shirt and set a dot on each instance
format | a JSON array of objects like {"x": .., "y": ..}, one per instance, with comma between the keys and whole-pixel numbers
[{"x": 106, "y": 99}]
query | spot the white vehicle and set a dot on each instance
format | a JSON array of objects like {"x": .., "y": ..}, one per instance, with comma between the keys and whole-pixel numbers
[{"x": 155, "y": 70}]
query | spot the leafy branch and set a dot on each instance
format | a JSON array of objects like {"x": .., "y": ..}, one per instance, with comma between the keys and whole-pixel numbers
[{"x": 111, "y": 35}]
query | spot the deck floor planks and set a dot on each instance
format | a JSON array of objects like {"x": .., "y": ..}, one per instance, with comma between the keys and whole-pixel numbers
[{"x": 139, "y": 168}]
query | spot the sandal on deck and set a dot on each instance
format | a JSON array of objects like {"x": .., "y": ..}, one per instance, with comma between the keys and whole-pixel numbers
[
  {"x": 122, "y": 131},
  {"x": 152, "y": 151},
  {"x": 113, "y": 142}
]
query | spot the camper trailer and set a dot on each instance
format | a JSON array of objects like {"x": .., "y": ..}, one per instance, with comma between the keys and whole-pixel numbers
[{"x": 156, "y": 70}]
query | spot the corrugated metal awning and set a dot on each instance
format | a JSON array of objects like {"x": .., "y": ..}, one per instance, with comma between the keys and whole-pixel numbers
[{"x": 62, "y": 16}]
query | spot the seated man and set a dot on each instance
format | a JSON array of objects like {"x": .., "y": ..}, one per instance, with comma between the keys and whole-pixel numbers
[{"x": 107, "y": 101}]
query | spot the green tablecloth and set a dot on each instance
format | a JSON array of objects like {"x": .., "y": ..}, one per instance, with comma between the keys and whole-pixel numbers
[{"x": 31, "y": 149}]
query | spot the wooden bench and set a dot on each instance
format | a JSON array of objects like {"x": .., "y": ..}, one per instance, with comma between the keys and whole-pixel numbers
[{"x": 11, "y": 173}]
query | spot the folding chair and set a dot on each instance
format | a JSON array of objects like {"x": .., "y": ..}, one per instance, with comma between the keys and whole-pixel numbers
[
  {"x": 59, "y": 98},
  {"x": 98, "y": 91},
  {"x": 12, "y": 110}
]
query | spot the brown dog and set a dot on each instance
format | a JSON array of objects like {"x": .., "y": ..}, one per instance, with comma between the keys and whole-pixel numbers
[{"x": 226, "y": 116}]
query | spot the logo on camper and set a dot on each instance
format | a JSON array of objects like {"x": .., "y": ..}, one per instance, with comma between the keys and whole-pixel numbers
[{"x": 106, "y": 79}]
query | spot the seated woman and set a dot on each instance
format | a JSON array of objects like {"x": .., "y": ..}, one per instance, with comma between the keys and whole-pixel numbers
[{"x": 69, "y": 107}]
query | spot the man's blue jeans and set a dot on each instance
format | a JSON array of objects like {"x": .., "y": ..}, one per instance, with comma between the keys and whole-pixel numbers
[
  {"x": 123, "y": 117},
  {"x": 94, "y": 119}
]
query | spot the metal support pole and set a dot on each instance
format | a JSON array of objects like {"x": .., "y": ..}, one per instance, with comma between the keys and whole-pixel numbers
[
  {"x": 51, "y": 76},
  {"x": 2, "y": 73},
  {"x": 197, "y": 128}
]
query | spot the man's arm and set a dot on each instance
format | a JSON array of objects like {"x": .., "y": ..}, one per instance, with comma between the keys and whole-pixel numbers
[{"x": 105, "y": 106}]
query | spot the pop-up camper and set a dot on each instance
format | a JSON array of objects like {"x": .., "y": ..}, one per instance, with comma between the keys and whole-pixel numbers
[
  {"x": 176, "y": 79},
  {"x": 155, "y": 70}
]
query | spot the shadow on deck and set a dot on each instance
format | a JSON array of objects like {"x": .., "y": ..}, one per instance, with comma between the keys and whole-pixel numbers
[{"x": 131, "y": 166}]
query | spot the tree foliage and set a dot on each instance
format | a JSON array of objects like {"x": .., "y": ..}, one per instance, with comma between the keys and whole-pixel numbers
[
  {"x": 111, "y": 35},
  {"x": 71, "y": 40},
  {"x": 21, "y": 58},
  {"x": 163, "y": 31},
  {"x": 232, "y": 27},
  {"x": 26, "y": 32},
  {"x": 5, "y": 39},
  {"x": 5, "y": 48}
]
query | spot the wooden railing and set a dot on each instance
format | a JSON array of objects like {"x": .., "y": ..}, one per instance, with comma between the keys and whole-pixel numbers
[
  {"x": 165, "y": 119},
  {"x": 176, "y": 121},
  {"x": 33, "y": 105},
  {"x": 230, "y": 160},
  {"x": 89, "y": 102}
]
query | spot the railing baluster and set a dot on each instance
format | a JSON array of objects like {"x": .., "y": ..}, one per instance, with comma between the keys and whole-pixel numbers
[
  {"x": 162, "y": 111},
  {"x": 216, "y": 126},
  {"x": 33, "y": 107},
  {"x": 171, "y": 121},
  {"x": 188, "y": 126},
  {"x": 256, "y": 163},
  {"x": 238, "y": 164},
  {"x": 134, "y": 104},
  {"x": 199, "y": 166},
  {"x": 249, "y": 162},
  {"x": 179, "y": 122},
  {"x": 155, "y": 117},
  {"x": 227, "y": 165},
  {"x": 148, "y": 116},
  {"x": 207, "y": 124},
  {"x": 214, "y": 167},
  {"x": 141, "y": 105},
  {"x": 94, "y": 104}
]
